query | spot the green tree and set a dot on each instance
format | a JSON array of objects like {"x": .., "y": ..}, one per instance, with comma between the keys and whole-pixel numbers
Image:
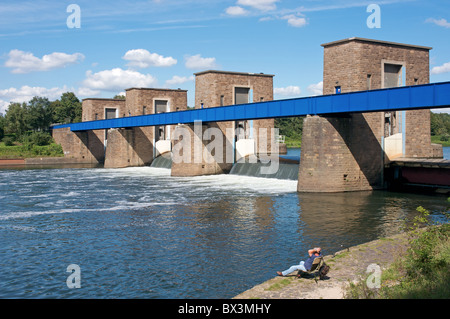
[
  {"x": 290, "y": 126},
  {"x": 16, "y": 119},
  {"x": 67, "y": 109},
  {"x": 440, "y": 123},
  {"x": 2, "y": 126},
  {"x": 38, "y": 114}
]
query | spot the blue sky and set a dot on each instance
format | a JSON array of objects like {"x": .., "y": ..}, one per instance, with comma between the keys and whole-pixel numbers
[{"x": 162, "y": 43}]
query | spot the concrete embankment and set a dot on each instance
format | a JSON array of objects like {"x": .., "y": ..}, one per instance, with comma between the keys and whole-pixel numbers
[
  {"x": 8, "y": 162},
  {"x": 42, "y": 161},
  {"x": 346, "y": 266}
]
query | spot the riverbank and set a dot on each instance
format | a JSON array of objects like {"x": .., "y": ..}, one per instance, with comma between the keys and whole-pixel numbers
[
  {"x": 22, "y": 151},
  {"x": 346, "y": 266},
  {"x": 45, "y": 162}
]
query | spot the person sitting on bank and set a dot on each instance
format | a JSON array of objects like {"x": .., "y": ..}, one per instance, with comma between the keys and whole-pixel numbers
[{"x": 303, "y": 265}]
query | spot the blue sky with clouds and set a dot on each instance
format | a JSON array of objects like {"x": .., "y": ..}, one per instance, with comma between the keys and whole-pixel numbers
[{"x": 161, "y": 43}]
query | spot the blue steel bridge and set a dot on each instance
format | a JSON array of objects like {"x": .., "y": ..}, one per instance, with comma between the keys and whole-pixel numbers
[{"x": 426, "y": 96}]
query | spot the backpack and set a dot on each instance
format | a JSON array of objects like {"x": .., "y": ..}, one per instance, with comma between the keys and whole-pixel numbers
[{"x": 323, "y": 270}]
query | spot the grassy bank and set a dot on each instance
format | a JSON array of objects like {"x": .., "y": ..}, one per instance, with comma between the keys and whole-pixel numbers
[
  {"x": 29, "y": 151},
  {"x": 438, "y": 139},
  {"x": 293, "y": 142},
  {"x": 422, "y": 273}
]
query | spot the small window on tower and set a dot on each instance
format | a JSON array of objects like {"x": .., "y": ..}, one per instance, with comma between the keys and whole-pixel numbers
[{"x": 337, "y": 89}]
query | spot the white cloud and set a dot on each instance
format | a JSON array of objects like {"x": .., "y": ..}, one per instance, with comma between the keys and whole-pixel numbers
[
  {"x": 142, "y": 58},
  {"x": 83, "y": 91},
  {"x": 197, "y": 62},
  {"x": 445, "y": 110},
  {"x": 315, "y": 89},
  {"x": 3, "y": 106},
  {"x": 116, "y": 80},
  {"x": 263, "y": 5},
  {"x": 441, "y": 22},
  {"x": 266, "y": 19},
  {"x": 236, "y": 11},
  {"x": 288, "y": 91},
  {"x": 295, "y": 21},
  {"x": 441, "y": 69},
  {"x": 26, "y": 62},
  {"x": 179, "y": 80},
  {"x": 26, "y": 93}
]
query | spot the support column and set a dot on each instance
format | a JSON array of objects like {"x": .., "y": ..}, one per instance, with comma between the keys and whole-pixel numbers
[
  {"x": 81, "y": 147},
  {"x": 129, "y": 147},
  {"x": 340, "y": 154},
  {"x": 202, "y": 149}
]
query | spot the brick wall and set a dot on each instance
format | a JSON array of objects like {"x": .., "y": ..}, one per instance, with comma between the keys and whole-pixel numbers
[
  {"x": 81, "y": 147},
  {"x": 129, "y": 147},
  {"x": 94, "y": 109},
  {"x": 190, "y": 155},
  {"x": 331, "y": 161}
]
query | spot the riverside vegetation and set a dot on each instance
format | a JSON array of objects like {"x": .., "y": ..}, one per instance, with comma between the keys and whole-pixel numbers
[
  {"x": 25, "y": 128},
  {"x": 422, "y": 273}
]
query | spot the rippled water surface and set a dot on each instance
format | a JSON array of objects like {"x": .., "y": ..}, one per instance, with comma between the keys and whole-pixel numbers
[{"x": 140, "y": 233}]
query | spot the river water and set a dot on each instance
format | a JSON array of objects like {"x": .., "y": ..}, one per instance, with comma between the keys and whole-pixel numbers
[{"x": 140, "y": 233}]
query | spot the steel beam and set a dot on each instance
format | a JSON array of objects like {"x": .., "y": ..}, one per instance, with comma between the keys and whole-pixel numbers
[{"x": 426, "y": 96}]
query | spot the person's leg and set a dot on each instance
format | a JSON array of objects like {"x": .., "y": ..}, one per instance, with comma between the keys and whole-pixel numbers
[{"x": 294, "y": 268}]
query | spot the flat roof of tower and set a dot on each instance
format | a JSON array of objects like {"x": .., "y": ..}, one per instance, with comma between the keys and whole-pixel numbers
[
  {"x": 102, "y": 99},
  {"x": 376, "y": 41},
  {"x": 156, "y": 89},
  {"x": 234, "y": 73}
]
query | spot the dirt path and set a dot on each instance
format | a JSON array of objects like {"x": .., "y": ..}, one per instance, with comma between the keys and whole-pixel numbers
[{"x": 345, "y": 266}]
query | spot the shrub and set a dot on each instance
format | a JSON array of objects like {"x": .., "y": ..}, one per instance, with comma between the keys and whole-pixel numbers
[
  {"x": 445, "y": 138},
  {"x": 9, "y": 141},
  {"x": 424, "y": 271},
  {"x": 38, "y": 138}
]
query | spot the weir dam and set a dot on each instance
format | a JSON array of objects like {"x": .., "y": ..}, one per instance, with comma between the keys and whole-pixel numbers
[{"x": 374, "y": 112}]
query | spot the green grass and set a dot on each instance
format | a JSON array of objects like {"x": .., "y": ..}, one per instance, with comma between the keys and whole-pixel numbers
[
  {"x": 280, "y": 284},
  {"x": 423, "y": 273},
  {"x": 437, "y": 139},
  {"x": 293, "y": 142},
  {"x": 29, "y": 151}
]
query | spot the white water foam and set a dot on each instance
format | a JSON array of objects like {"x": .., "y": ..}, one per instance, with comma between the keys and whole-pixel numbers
[
  {"x": 163, "y": 190},
  {"x": 121, "y": 207}
]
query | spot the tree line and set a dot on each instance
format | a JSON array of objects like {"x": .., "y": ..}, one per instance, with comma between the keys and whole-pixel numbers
[
  {"x": 35, "y": 116},
  {"x": 440, "y": 125}
]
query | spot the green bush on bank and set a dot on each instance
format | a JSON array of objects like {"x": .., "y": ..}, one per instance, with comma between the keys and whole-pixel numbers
[
  {"x": 444, "y": 140},
  {"x": 34, "y": 144},
  {"x": 28, "y": 151},
  {"x": 37, "y": 138},
  {"x": 424, "y": 271}
]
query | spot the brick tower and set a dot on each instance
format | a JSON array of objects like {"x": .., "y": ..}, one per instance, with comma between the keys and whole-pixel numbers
[{"x": 348, "y": 152}]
